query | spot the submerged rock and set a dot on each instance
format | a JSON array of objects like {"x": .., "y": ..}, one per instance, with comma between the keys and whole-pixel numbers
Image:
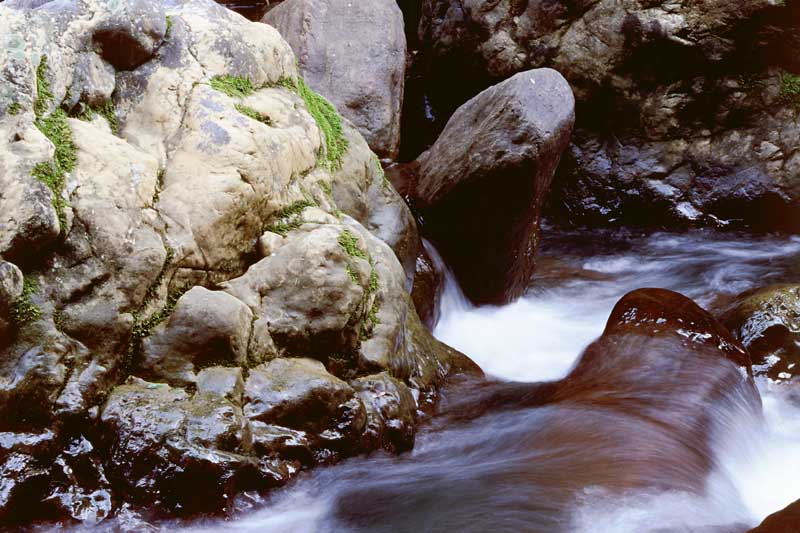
[
  {"x": 353, "y": 53},
  {"x": 481, "y": 186},
  {"x": 767, "y": 322}
]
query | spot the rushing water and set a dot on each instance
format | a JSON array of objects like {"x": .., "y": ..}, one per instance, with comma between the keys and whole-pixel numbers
[{"x": 537, "y": 468}]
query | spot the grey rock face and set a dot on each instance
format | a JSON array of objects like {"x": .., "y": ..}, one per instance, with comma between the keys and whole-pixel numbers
[
  {"x": 482, "y": 184},
  {"x": 206, "y": 327},
  {"x": 354, "y": 54},
  {"x": 685, "y": 115}
]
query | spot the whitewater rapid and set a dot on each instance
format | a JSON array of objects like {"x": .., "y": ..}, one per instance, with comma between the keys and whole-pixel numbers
[{"x": 463, "y": 471}]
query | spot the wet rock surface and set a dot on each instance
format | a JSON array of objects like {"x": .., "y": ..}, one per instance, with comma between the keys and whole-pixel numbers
[
  {"x": 783, "y": 521},
  {"x": 767, "y": 322},
  {"x": 481, "y": 186},
  {"x": 173, "y": 224}
]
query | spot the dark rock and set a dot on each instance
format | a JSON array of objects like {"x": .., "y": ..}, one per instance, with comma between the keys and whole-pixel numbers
[
  {"x": 252, "y": 9},
  {"x": 391, "y": 411},
  {"x": 427, "y": 291},
  {"x": 127, "y": 46},
  {"x": 785, "y": 521},
  {"x": 301, "y": 394},
  {"x": 684, "y": 113},
  {"x": 767, "y": 322},
  {"x": 482, "y": 184}
]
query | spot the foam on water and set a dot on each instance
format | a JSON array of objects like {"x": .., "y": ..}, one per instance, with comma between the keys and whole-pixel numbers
[{"x": 756, "y": 460}]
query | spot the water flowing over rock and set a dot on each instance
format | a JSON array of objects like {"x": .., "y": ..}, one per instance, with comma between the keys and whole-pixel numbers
[
  {"x": 687, "y": 111},
  {"x": 784, "y": 521},
  {"x": 481, "y": 186},
  {"x": 353, "y": 53},
  {"x": 175, "y": 223}
]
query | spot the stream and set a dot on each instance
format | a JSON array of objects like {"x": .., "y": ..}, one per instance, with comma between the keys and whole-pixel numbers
[{"x": 499, "y": 472}]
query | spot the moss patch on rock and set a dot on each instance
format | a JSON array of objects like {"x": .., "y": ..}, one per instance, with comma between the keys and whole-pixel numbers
[
  {"x": 252, "y": 113},
  {"x": 327, "y": 118},
  {"x": 56, "y": 128},
  {"x": 25, "y": 311},
  {"x": 349, "y": 243},
  {"x": 790, "y": 89},
  {"x": 107, "y": 111},
  {"x": 288, "y": 218},
  {"x": 15, "y": 109},
  {"x": 233, "y": 86}
]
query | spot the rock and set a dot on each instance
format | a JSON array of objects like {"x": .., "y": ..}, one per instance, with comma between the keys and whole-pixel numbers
[
  {"x": 223, "y": 381},
  {"x": 300, "y": 394},
  {"x": 354, "y": 54},
  {"x": 767, "y": 322},
  {"x": 126, "y": 46},
  {"x": 427, "y": 291},
  {"x": 391, "y": 410},
  {"x": 784, "y": 521},
  {"x": 206, "y": 328},
  {"x": 659, "y": 312},
  {"x": 252, "y": 9},
  {"x": 186, "y": 450},
  {"x": 482, "y": 184},
  {"x": 11, "y": 287},
  {"x": 686, "y": 114},
  {"x": 137, "y": 181}
]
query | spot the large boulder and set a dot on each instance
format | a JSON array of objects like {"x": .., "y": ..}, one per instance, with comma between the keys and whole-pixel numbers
[
  {"x": 687, "y": 110},
  {"x": 175, "y": 213},
  {"x": 784, "y": 521},
  {"x": 353, "y": 53},
  {"x": 767, "y": 322},
  {"x": 482, "y": 184}
]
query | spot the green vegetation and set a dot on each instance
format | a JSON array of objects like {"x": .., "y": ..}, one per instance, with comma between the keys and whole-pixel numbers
[
  {"x": 233, "y": 86},
  {"x": 352, "y": 273},
  {"x": 56, "y": 128},
  {"x": 252, "y": 113},
  {"x": 25, "y": 310},
  {"x": 58, "y": 319},
  {"x": 288, "y": 218},
  {"x": 349, "y": 243},
  {"x": 44, "y": 94},
  {"x": 791, "y": 88},
  {"x": 15, "y": 109},
  {"x": 144, "y": 327},
  {"x": 169, "y": 27},
  {"x": 107, "y": 111},
  {"x": 327, "y": 118}
]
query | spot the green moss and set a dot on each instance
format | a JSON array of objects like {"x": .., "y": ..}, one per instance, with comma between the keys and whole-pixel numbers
[
  {"x": 25, "y": 311},
  {"x": 349, "y": 242},
  {"x": 791, "y": 88},
  {"x": 353, "y": 274},
  {"x": 327, "y": 118},
  {"x": 107, "y": 111},
  {"x": 233, "y": 86},
  {"x": 58, "y": 319},
  {"x": 44, "y": 94},
  {"x": 288, "y": 218},
  {"x": 144, "y": 327},
  {"x": 252, "y": 113},
  {"x": 169, "y": 27},
  {"x": 15, "y": 109},
  {"x": 373, "y": 281},
  {"x": 53, "y": 174},
  {"x": 159, "y": 185}
]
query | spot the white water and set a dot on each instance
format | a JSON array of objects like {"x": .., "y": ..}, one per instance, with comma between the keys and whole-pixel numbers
[
  {"x": 462, "y": 470},
  {"x": 540, "y": 336}
]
